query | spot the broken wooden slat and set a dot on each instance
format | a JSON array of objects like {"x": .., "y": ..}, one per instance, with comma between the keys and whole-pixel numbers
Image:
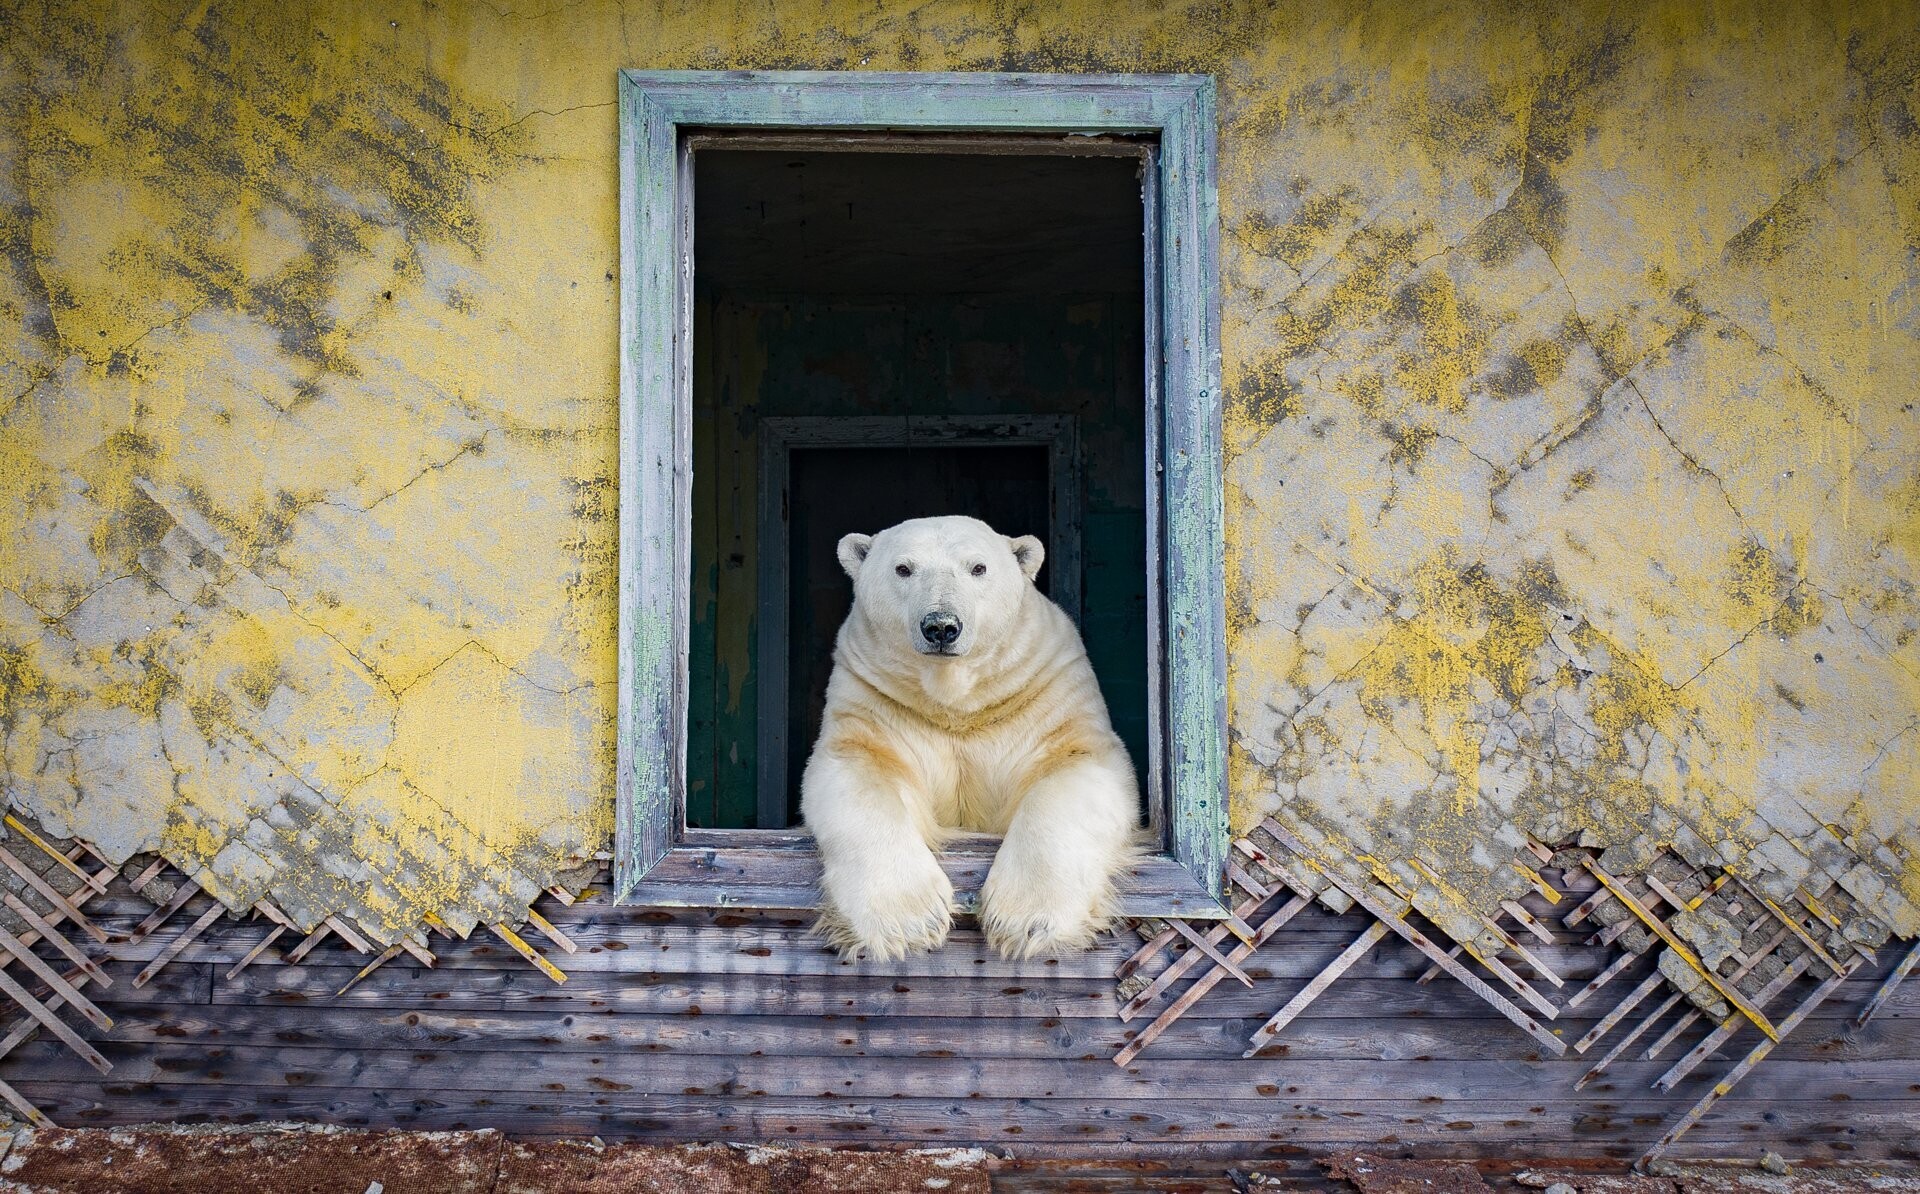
[
  {"x": 1586, "y": 907},
  {"x": 179, "y": 944},
  {"x": 1305, "y": 996},
  {"x": 1887, "y": 988},
  {"x": 1185, "y": 962},
  {"x": 1139, "y": 957},
  {"x": 1686, "y": 1021},
  {"x": 386, "y": 955},
  {"x": 562, "y": 894},
  {"x": 44, "y": 930},
  {"x": 528, "y": 952},
  {"x": 67, "y": 909},
  {"x": 53, "y": 1023},
  {"x": 253, "y": 954},
  {"x": 415, "y": 943},
  {"x": 1527, "y": 921},
  {"x": 1727, "y": 991},
  {"x": 348, "y": 935},
  {"x": 162, "y": 914},
  {"x": 1413, "y": 937},
  {"x": 307, "y": 943},
  {"x": 91, "y": 880},
  {"x": 1206, "y": 982},
  {"x": 1626, "y": 959},
  {"x": 150, "y": 874},
  {"x": 1799, "y": 930},
  {"x": 551, "y": 933},
  {"x": 1720, "y": 1035},
  {"x": 1621, "y": 1046},
  {"x": 1753, "y": 1058},
  {"x": 48, "y": 975},
  {"x": 1634, "y": 997}
]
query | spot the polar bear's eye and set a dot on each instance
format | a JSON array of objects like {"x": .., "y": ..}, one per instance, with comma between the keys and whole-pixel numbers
[
  {"x": 979, "y": 569},
  {"x": 902, "y": 570}
]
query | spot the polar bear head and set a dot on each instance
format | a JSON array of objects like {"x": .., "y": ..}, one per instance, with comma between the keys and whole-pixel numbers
[{"x": 940, "y": 586}]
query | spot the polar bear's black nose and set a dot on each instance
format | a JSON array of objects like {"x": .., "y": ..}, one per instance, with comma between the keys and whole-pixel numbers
[{"x": 940, "y": 630}]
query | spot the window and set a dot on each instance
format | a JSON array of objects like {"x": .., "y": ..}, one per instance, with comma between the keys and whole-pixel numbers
[{"x": 772, "y": 221}]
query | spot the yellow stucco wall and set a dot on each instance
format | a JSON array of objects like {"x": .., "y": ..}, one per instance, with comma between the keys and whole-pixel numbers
[{"x": 1572, "y": 482}]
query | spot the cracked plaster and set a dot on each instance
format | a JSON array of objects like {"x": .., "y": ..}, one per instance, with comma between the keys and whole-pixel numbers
[{"x": 1571, "y": 479}]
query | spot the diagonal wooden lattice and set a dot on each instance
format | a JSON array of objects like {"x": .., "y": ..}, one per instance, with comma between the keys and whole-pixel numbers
[
  {"x": 46, "y": 886},
  {"x": 1712, "y": 947}
]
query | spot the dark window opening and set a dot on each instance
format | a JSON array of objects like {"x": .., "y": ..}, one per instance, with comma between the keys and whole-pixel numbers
[{"x": 887, "y": 332}]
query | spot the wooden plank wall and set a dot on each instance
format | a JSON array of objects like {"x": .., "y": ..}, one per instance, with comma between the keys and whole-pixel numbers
[{"x": 736, "y": 1026}]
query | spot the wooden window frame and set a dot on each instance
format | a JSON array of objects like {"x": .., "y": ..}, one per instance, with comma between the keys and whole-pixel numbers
[{"x": 658, "y": 860}]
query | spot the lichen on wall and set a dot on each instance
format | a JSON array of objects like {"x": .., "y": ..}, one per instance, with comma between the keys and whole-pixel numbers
[{"x": 1571, "y": 481}]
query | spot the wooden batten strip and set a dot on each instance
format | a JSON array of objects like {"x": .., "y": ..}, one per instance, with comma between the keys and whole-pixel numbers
[
  {"x": 1199, "y": 941},
  {"x": 349, "y": 935},
  {"x": 528, "y": 952},
  {"x": 386, "y": 955},
  {"x": 150, "y": 874},
  {"x": 550, "y": 932},
  {"x": 1412, "y": 936},
  {"x": 1727, "y": 990},
  {"x": 1634, "y": 998},
  {"x": 1586, "y": 907},
  {"x": 53, "y": 1023},
  {"x": 1206, "y": 982},
  {"x": 562, "y": 894},
  {"x": 1601, "y": 979},
  {"x": 1746, "y": 1066},
  {"x": 179, "y": 944},
  {"x": 1686, "y": 1021},
  {"x": 1799, "y": 930},
  {"x": 1252, "y": 886},
  {"x": 67, "y": 909},
  {"x": 1678, "y": 902},
  {"x": 48, "y": 975},
  {"x": 164, "y": 913},
  {"x": 1304, "y": 997},
  {"x": 1527, "y": 921},
  {"x": 44, "y": 930},
  {"x": 1180, "y": 965},
  {"x": 1621, "y": 1046},
  {"x": 415, "y": 943},
  {"x": 307, "y": 943},
  {"x": 271, "y": 911},
  {"x": 1887, "y": 988},
  {"x": 253, "y": 955},
  {"x": 1548, "y": 891},
  {"x": 28, "y": 1111},
  {"x": 1140, "y": 957},
  {"x": 27, "y": 1027},
  {"x": 1711, "y": 1043},
  {"x": 91, "y": 880}
]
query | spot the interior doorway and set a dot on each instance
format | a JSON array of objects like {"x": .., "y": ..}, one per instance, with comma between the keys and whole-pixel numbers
[{"x": 958, "y": 326}]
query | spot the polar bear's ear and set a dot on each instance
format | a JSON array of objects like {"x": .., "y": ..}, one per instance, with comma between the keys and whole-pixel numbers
[
  {"x": 853, "y": 552},
  {"x": 1029, "y": 553}
]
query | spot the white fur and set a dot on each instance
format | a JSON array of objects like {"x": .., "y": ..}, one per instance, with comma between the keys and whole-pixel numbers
[{"x": 1007, "y": 735}]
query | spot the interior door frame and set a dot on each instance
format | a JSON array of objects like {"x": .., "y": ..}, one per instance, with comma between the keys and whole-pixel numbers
[
  {"x": 658, "y": 860},
  {"x": 781, "y": 435}
]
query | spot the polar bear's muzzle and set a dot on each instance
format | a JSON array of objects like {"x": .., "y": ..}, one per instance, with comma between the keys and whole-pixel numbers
[{"x": 940, "y": 633}]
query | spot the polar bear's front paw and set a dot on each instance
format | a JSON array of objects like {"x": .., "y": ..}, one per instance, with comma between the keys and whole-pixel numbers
[
  {"x": 890, "y": 916},
  {"x": 1027, "y": 912}
]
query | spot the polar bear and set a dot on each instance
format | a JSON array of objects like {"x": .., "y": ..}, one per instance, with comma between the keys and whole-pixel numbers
[{"x": 961, "y": 699}]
